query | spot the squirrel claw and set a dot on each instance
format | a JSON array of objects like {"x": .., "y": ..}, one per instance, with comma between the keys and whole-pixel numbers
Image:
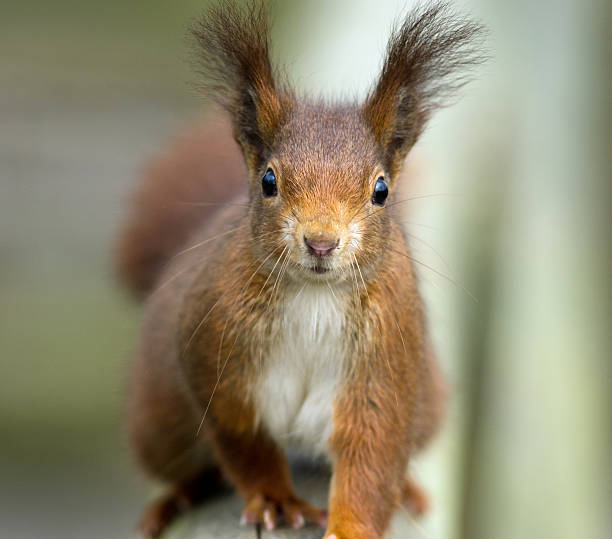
[{"x": 295, "y": 512}]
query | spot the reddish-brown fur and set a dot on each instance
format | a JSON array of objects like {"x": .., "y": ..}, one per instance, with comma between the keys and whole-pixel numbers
[
  {"x": 217, "y": 310},
  {"x": 180, "y": 191}
]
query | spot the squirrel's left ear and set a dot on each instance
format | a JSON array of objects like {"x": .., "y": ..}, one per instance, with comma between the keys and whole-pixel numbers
[
  {"x": 233, "y": 56},
  {"x": 426, "y": 61}
]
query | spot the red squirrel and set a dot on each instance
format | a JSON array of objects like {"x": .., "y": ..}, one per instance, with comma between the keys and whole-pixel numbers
[{"x": 283, "y": 306}]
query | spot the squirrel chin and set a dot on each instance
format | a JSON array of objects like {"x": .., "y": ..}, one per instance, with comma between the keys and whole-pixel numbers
[{"x": 319, "y": 274}]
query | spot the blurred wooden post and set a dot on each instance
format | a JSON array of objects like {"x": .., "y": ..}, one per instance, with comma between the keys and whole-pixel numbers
[{"x": 539, "y": 442}]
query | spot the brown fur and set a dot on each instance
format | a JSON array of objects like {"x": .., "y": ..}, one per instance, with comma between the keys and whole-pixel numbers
[
  {"x": 218, "y": 309},
  {"x": 233, "y": 55},
  {"x": 428, "y": 59},
  {"x": 178, "y": 192}
]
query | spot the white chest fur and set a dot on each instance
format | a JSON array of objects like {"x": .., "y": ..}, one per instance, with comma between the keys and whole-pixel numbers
[{"x": 295, "y": 391}]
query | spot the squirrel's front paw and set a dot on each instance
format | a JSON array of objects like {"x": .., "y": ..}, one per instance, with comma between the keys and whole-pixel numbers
[
  {"x": 349, "y": 535},
  {"x": 351, "y": 530},
  {"x": 260, "y": 509},
  {"x": 341, "y": 535}
]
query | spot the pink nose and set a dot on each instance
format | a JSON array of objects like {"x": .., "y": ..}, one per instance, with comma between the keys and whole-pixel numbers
[{"x": 320, "y": 246}]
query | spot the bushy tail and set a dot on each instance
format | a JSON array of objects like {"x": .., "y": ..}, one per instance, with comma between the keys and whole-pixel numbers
[{"x": 179, "y": 190}]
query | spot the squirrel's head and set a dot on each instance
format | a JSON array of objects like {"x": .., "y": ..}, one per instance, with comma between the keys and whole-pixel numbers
[{"x": 322, "y": 176}]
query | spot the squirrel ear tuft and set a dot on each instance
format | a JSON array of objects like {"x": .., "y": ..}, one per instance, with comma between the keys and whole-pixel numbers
[
  {"x": 428, "y": 58},
  {"x": 233, "y": 55}
]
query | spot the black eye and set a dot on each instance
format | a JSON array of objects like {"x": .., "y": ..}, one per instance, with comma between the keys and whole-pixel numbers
[
  {"x": 381, "y": 191},
  {"x": 268, "y": 184}
]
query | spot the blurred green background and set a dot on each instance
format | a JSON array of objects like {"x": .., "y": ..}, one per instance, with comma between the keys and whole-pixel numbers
[{"x": 89, "y": 90}]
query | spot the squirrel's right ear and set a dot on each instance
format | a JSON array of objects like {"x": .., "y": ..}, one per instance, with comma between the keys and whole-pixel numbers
[
  {"x": 233, "y": 56},
  {"x": 426, "y": 61}
]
